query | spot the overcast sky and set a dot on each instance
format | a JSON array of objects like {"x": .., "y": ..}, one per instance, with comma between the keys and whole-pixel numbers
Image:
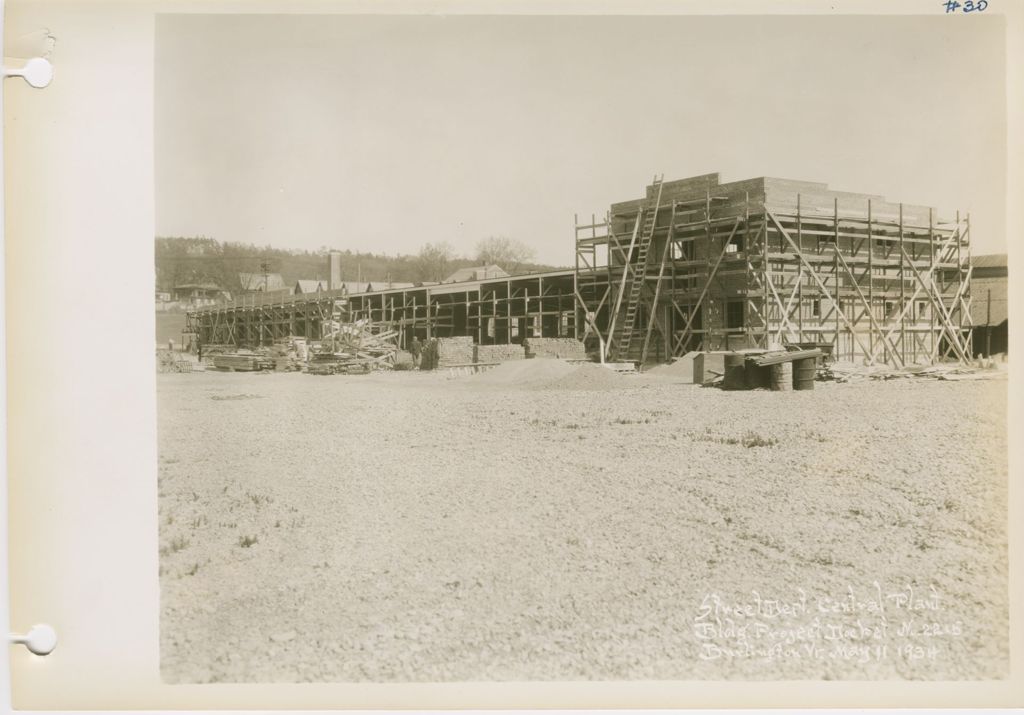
[{"x": 381, "y": 133}]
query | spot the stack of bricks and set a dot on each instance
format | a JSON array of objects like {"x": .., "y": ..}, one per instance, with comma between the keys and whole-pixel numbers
[
  {"x": 499, "y": 353},
  {"x": 455, "y": 351},
  {"x": 564, "y": 348}
]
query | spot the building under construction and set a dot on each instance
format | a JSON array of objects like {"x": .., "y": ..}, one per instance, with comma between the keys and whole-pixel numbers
[{"x": 693, "y": 264}]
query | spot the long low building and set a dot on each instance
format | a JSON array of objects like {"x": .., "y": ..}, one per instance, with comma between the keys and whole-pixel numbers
[
  {"x": 493, "y": 311},
  {"x": 693, "y": 264}
]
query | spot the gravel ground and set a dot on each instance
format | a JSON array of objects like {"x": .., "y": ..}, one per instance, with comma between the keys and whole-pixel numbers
[{"x": 409, "y": 527}]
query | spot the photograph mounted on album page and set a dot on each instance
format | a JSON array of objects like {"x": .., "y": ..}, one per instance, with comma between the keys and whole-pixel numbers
[{"x": 521, "y": 355}]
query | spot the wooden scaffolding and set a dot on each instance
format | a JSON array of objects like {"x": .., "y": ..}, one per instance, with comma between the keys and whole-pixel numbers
[
  {"x": 700, "y": 265},
  {"x": 493, "y": 311}
]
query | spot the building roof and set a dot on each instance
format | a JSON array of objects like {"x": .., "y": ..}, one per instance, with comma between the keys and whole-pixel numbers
[
  {"x": 198, "y": 286},
  {"x": 990, "y": 260},
  {"x": 356, "y": 286},
  {"x": 476, "y": 273},
  {"x": 304, "y": 285},
  {"x": 262, "y": 282}
]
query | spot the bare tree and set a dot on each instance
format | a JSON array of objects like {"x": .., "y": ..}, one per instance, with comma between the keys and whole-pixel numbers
[
  {"x": 508, "y": 253},
  {"x": 434, "y": 261}
]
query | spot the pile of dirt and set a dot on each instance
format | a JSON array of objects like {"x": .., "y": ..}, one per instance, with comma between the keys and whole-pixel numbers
[
  {"x": 588, "y": 376},
  {"x": 524, "y": 372},
  {"x": 681, "y": 368}
]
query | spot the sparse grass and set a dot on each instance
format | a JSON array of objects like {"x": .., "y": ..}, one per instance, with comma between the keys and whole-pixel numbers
[
  {"x": 246, "y": 541},
  {"x": 748, "y": 439},
  {"x": 259, "y": 500},
  {"x": 762, "y": 539},
  {"x": 178, "y": 543},
  {"x": 632, "y": 421},
  {"x": 194, "y": 570}
]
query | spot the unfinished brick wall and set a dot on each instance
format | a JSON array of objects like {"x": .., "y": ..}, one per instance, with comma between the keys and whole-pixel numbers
[
  {"x": 565, "y": 348},
  {"x": 499, "y": 353}
]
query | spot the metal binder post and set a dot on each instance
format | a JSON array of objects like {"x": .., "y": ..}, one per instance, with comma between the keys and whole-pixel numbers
[
  {"x": 38, "y": 72},
  {"x": 40, "y": 640}
]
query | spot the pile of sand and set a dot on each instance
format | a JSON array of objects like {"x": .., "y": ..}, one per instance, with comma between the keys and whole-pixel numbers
[
  {"x": 588, "y": 376},
  {"x": 679, "y": 368},
  {"x": 550, "y": 374},
  {"x": 524, "y": 372}
]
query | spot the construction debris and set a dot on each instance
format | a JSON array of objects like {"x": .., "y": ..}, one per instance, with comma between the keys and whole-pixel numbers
[
  {"x": 354, "y": 348},
  {"x": 850, "y": 372},
  {"x": 168, "y": 361}
]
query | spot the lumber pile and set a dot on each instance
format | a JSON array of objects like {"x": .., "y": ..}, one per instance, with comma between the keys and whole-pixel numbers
[
  {"x": 498, "y": 353},
  {"x": 212, "y": 349},
  {"x": 242, "y": 362},
  {"x": 353, "y": 348},
  {"x": 564, "y": 348},
  {"x": 777, "y": 357}
]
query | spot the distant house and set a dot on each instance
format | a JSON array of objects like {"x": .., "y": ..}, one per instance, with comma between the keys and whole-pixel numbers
[
  {"x": 262, "y": 283},
  {"x": 476, "y": 273},
  {"x": 199, "y": 294},
  {"x": 164, "y": 302},
  {"x": 989, "y": 304},
  {"x": 359, "y": 286},
  {"x": 305, "y": 286}
]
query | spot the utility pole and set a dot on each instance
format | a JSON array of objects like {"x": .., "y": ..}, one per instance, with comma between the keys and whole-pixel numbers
[{"x": 988, "y": 327}]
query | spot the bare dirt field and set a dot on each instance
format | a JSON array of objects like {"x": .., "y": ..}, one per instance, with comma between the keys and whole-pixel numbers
[{"x": 545, "y": 522}]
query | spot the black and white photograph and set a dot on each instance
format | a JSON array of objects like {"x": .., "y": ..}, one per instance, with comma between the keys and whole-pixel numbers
[{"x": 499, "y": 348}]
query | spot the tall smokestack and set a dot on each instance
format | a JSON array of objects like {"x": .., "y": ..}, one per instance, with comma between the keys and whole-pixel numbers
[{"x": 334, "y": 270}]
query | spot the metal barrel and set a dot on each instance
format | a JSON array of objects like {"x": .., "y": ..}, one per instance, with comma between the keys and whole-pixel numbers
[
  {"x": 735, "y": 374},
  {"x": 781, "y": 377},
  {"x": 803, "y": 373}
]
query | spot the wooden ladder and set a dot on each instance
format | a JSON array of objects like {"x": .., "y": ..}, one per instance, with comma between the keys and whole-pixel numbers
[{"x": 625, "y": 333}]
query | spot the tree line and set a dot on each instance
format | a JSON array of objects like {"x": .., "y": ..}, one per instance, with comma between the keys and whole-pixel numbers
[{"x": 202, "y": 260}]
